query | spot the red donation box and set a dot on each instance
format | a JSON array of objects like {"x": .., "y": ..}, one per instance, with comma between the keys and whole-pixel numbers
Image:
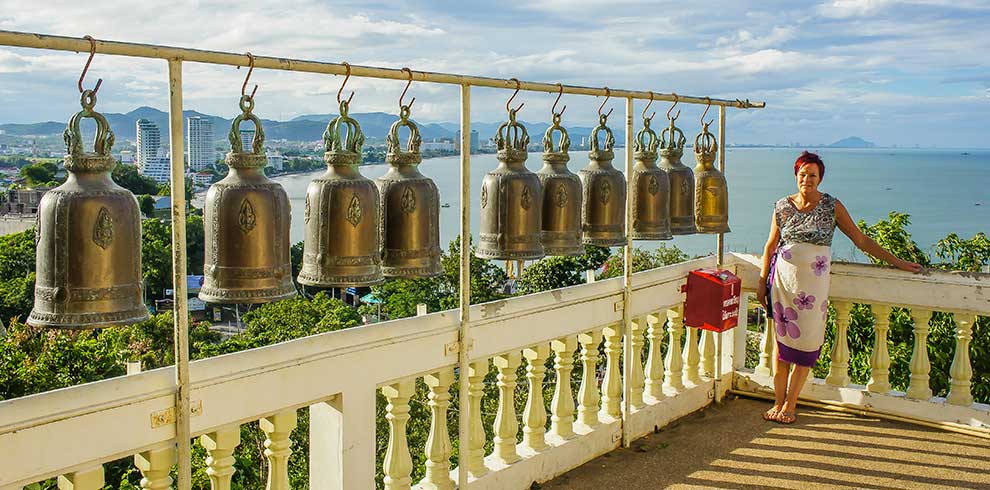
[{"x": 712, "y": 299}]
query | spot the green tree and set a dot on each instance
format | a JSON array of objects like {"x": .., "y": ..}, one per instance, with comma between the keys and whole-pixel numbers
[
  {"x": 17, "y": 251},
  {"x": 127, "y": 176},
  {"x": 156, "y": 253},
  {"x": 147, "y": 205},
  {"x": 559, "y": 272},
  {"x": 643, "y": 260},
  {"x": 40, "y": 174},
  {"x": 969, "y": 255}
]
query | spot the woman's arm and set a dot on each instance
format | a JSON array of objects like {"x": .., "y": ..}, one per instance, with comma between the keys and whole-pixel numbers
[
  {"x": 768, "y": 250},
  {"x": 865, "y": 243}
]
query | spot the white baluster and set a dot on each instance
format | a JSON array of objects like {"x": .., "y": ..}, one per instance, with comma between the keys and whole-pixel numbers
[
  {"x": 155, "y": 466},
  {"x": 438, "y": 447},
  {"x": 476, "y": 390},
  {"x": 636, "y": 375},
  {"x": 220, "y": 447},
  {"x": 562, "y": 404},
  {"x": 588, "y": 396},
  {"x": 535, "y": 413},
  {"x": 278, "y": 447},
  {"x": 398, "y": 463},
  {"x": 918, "y": 388},
  {"x": 506, "y": 425},
  {"x": 880, "y": 358},
  {"x": 653, "y": 391},
  {"x": 691, "y": 356},
  {"x": 612, "y": 383},
  {"x": 838, "y": 370},
  {"x": 706, "y": 366},
  {"x": 961, "y": 371},
  {"x": 87, "y": 479},
  {"x": 673, "y": 375},
  {"x": 768, "y": 343}
]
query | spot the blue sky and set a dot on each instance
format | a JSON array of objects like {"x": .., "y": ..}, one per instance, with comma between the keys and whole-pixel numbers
[{"x": 894, "y": 72}]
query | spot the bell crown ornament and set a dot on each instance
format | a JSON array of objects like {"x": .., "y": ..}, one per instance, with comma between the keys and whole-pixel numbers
[
  {"x": 246, "y": 223},
  {"x": 711, "y": 189},
  {"x": 651, "y": 188},
  {"x": 410, "y": 206},
  {"x": 604, "y": 191},
  {"x": 681, "y": 177},
  {"x": 511, "y": 199},
  {"x": 561, "y": 223},
  {"x": 88, "y": 233},
  {"x": 342, "y": 219}
]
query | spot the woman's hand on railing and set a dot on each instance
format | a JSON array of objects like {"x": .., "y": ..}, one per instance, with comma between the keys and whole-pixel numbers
[{"x": 905, "y": 265}]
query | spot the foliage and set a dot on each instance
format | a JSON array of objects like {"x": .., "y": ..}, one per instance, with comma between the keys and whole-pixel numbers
[
  {"x": 127, "y": 176},
  {"x": 643, "y": 260},
  {"x": 166, "y": 189},
  {"x": 40, "y": 174},
  {"x": 892, "y": 235},
  {"x": 967, "y": 255},
  {"x": 147, "y": 205},
  {"x": 156, "y": 252},
  {"x": 559, "y": 272},
  {"x": 17, "y": 252}
]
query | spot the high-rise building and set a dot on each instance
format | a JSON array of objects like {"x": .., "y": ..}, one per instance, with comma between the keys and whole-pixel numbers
[
  {"x": 158, "y": 168},
  {"x": 475, "y": 141},
  {"x": 149, "y": 142},
  {"x": 247, "y": 137},
  {"x": 275, "y": 160},
  {"x": 199, "y": 143}
]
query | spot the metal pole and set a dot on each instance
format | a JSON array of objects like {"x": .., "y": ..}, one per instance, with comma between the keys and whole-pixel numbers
[
  {"x": 180, "y": 311},
  {"x": 464, "y": 404},
  {"x": 627, "y": 359},
  {"x": 719, "y": 258},
  {"x": 62, "y": 43}
]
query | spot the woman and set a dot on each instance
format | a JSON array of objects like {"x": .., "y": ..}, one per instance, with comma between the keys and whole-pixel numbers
[{"x": 796, "y": 265}]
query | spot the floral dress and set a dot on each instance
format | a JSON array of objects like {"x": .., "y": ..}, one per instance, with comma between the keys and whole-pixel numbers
[{"x": 799, "y": 279}]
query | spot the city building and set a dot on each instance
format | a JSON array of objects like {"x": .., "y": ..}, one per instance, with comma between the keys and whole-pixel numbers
[
  {"x": 149, "y": 142},
  {"x": 202, "y": 178},
  {"x": 475, "y": 141},
  {"x": 437, "y": 145},
  {"x": 275, "y": 160},
  {"x": 200, "y": 153},
  {"x": 127, "y": 157},
  {"x": 158, "y": 168},
  {"x": 247, "y": 136},
  {"x": 22, "y": 201}
]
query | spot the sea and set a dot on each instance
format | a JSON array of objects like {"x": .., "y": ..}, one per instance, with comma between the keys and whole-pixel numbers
[{"x": 943, "y": 190}]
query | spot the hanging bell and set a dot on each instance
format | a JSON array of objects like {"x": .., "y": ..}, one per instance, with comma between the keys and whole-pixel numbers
[
  {"x": 88, "y": 239},
  {"x": 410, "y": 204},
  {"x": 651, "y": 189},
  {"x": 343, "y": 238},
  {"x": 711, "y": 193},
  {"x": 246, "y": 217},
  {"x": 561, "y": 233},
  {"x": 603, "y": 209},
  {"x": 511, "y": 200},
  {"x": 681, "y": 180}
]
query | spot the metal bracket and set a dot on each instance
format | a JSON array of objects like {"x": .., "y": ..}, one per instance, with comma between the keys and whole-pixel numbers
[
  {"x": 167, "y": 416},
  {"x": 454, "y": 347},
  {"x": 617, "y": 306}
]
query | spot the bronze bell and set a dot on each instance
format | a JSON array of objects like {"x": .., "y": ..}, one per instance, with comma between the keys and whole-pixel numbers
[
  {"x": 561, "y": 233},
  {"x": 246, "y": 218},
  {"x": 410, "y": 204},
  {"x": 343, "y": 238},
  {"x": 603, "y": 209},
  {"x": 88, "y": 239},
  {"x": 711, "y": 193},
  {"x": 681, "y": 180},
  {"x": 511, "y": 200},
  {"x": 651, "y": 189}
]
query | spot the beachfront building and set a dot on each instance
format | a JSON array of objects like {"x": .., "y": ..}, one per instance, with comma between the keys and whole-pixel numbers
[
  {"x": 247, "y": 137},
  {"x": 158, "y": 168},
  {"x": 149, "y": 142},
  {"x": 200, "y": 152},
  {"x": 275, "y": 160}
]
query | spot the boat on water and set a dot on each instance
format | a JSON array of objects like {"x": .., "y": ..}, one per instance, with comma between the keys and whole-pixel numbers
[{"x": 445, "y": 205}]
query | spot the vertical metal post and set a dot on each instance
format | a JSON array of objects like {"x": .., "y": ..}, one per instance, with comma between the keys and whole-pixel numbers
[
  {"x": 180, "y": 310},
  {"x": 463, "y": 429},
  {"x": 719, "y": 258},
  {"x": 627, "y": 359}
]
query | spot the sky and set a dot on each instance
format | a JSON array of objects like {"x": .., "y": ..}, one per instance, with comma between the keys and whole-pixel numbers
[{"x": 895, "y": 72}]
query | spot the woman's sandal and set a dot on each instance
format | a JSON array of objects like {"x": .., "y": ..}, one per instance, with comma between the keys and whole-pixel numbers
[
  {"x": 771, "y": 414},
  {"x": 786, "y": 418}
]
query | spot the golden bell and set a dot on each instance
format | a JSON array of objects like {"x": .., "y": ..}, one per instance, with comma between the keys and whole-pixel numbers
[
  {"x": 561, "y": 233},
  {"x": 681, "y": 181},
  {"x": 650, "y": 190},
  {"x": 246, "y": 220},
  {"x": 711, "y": 193},
  {"x": 410, "y": 204},
  {"x": 604, "y": 193},
  {"x": 88, "y": 239},
  {"x": 343, "y": 238},
  {"x": 511, "y": 201}
]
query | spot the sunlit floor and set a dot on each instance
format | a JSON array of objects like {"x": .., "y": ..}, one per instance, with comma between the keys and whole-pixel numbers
[{"x": 731, "y": 446}]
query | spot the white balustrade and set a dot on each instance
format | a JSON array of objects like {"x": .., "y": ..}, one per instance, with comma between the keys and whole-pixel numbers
[
  {"x": 535, "y": 414},
  {"x": 612, "y": 383},
  {"x": 562, "y": 404},
  {"x": 438, "y": 447},
  {"x": 87, "y": 479},
  {"x": 691, "y": 356},
  {"x": 155, "y": 466},
  {"x": 278, "y": 447},
  {"x": 880, "y": 358},
  {"x": 636, "y": 376},
  {"x": 768, "y": 343},
  {"x": 961, "y": 371},
  {"x": 653, "y": 391},
  {"x": 588, "y": 395},
  {"x": 673, "y": 375},
  {"x": 706, "y": 366},
  {"x": 506, "y": 424},
  {"x": 398, "y": 462},
  {"x": 919, "y": 388},
  {"x": 220, "y": 446},
  {"x": 476, "y": 390},
  {"x": 838, "y": 370}
]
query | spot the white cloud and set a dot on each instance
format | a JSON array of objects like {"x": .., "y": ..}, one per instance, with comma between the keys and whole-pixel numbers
[{"x": 843, "y": 9}]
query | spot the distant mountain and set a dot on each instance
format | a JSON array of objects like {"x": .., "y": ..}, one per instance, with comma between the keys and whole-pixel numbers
[{"x": 852, "y": 142}]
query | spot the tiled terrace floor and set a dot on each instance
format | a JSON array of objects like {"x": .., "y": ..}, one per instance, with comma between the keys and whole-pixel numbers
[{"x": 730, "y": 446}]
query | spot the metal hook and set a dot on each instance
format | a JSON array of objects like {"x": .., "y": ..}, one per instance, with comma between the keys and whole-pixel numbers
[
  {"x": 513, "y": 97},
  {"x": 608, "y": 93},
  {"x": 347, "y": 77},
  {"x": 553, "y": 110},
  {"x": 648, "y": 108},
  {"x": 92, "y": 53},
  {"x": 248, "y": 77},
  {"x": 403, "y": 96},
  {"x": 709, "y": 106},
  {"x": 672, "y": 108}
]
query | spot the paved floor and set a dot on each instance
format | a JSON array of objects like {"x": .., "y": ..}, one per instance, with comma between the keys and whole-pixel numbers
[{"x": 731, "y": 447}]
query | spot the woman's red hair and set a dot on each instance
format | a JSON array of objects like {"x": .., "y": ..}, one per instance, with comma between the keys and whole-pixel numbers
[{"x": 808, "y": 157}]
